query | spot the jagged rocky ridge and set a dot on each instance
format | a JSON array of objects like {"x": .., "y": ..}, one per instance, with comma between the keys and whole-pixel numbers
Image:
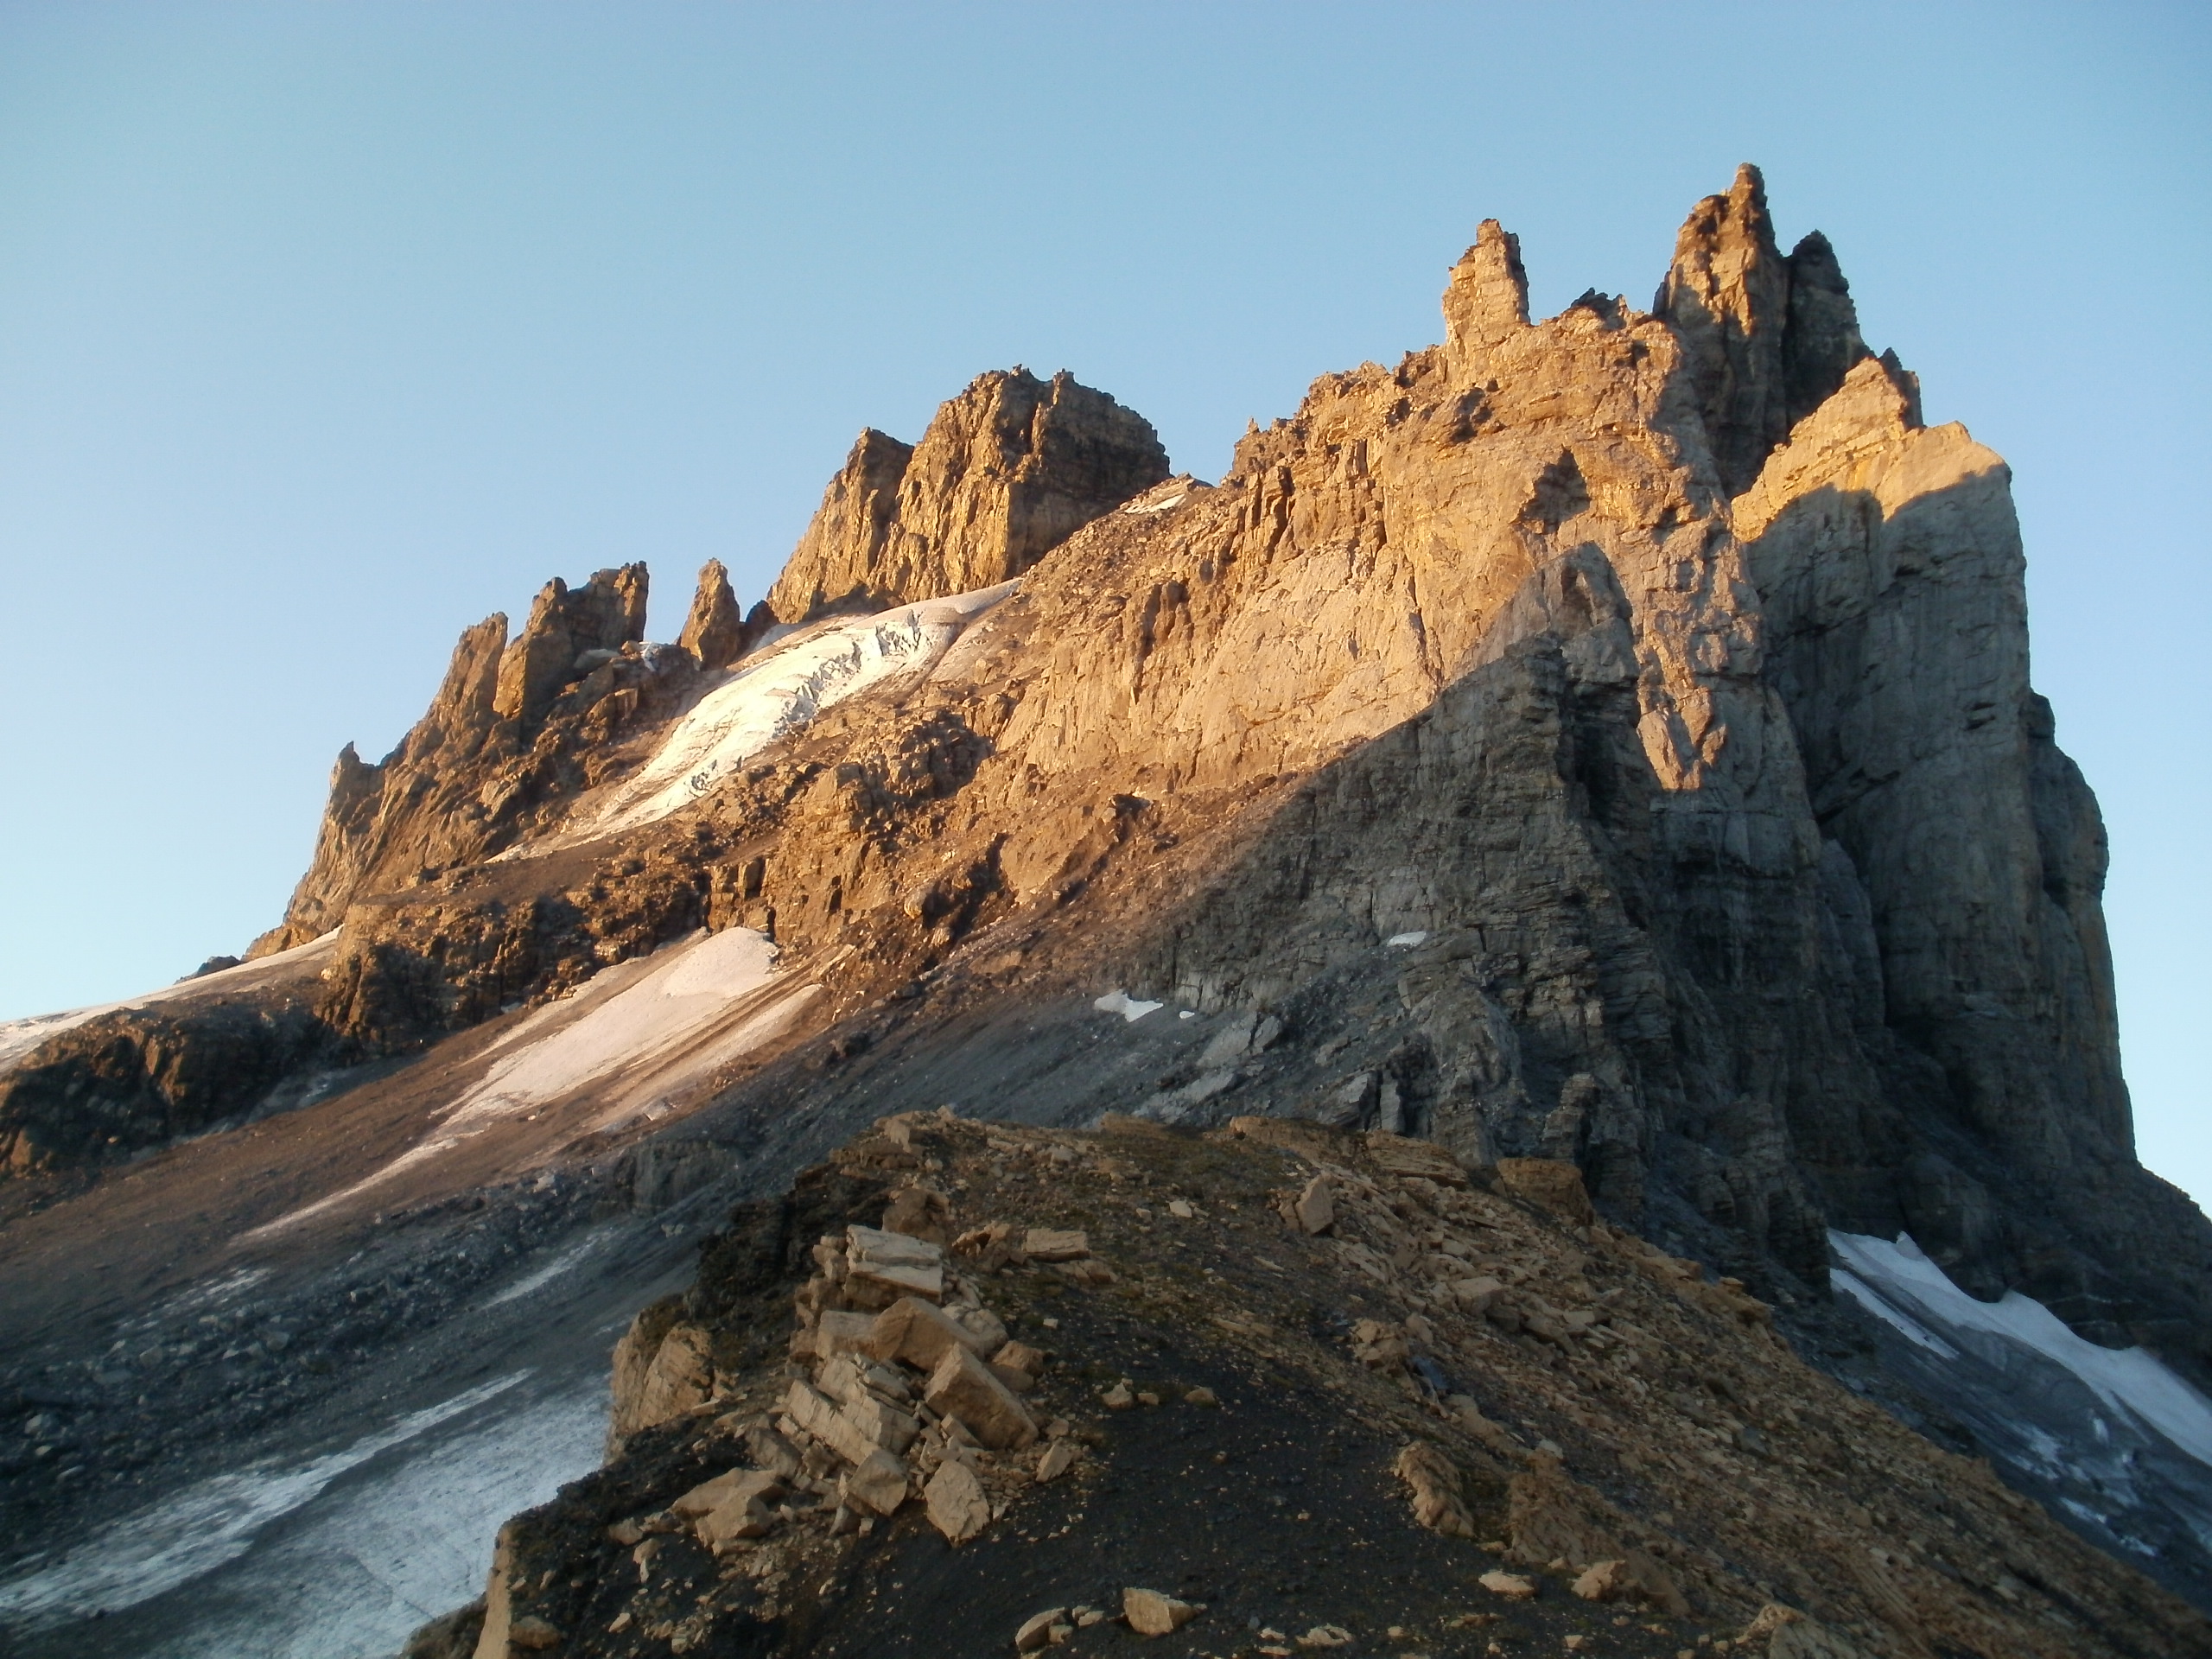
[{"x": 1658, "y": 680}]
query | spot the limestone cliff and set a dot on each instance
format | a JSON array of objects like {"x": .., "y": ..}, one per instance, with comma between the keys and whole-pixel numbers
[
  {"x": 1006, "y": 471},
  {"x": 1590, "y": 767},
  {"x": 1657, "y": 680}
]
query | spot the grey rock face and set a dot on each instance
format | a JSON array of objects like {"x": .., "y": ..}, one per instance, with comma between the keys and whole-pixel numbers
[{"x": 1767, "y": 338}]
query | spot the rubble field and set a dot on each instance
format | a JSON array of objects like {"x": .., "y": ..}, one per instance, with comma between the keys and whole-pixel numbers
[{"x": 1268, "y": 1390}]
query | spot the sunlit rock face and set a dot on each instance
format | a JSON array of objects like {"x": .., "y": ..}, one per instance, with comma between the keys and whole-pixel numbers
[{"x": 1007, "y": 471}]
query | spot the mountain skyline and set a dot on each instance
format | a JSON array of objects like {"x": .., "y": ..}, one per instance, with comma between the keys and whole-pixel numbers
[{"x": 294, "y": 376}]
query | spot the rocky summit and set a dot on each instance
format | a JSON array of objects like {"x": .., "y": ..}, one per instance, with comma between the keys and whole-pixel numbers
[{"x": 1491, "y": 1034}]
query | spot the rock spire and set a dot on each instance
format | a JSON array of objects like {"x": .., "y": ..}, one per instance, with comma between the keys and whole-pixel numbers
[
  {"x": 605, "y": 613},
  {"x": 1006, "y": 471},
  {"x": 714, "y": 631},
  {"x": 1767, "y": 338},
  {"x": 1487, "y": 300}
]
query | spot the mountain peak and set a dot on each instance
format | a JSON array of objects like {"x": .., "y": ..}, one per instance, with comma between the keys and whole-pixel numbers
[
  {"x": 1487, "y": 299},
  {"x": 1006, "y": 472}
]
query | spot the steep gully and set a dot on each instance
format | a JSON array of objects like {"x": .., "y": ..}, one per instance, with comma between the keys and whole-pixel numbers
[{"x": 1658, "y": 681}]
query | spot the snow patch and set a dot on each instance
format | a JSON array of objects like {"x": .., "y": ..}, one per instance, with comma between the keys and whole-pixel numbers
[
  {"x": 1405, "y": 941},
  {"x": 538, "y": 1279},
  {"x": 640, "y": 1031},
  {"x": 2128, "y": 1380},
  {"x": 779, "y": 688},
  {"x": 1870, "y": 1299},
  {"x": 1128, "y": 1006},
  {"x": 19, "y": 1037}
]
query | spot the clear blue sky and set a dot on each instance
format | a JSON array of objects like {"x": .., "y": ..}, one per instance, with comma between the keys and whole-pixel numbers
[{"x": 328, "y": 329}]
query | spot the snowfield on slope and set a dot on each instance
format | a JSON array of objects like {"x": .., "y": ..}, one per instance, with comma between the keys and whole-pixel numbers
[
  {"x": 19, "y": 1037},
  {"x": 640, "y": 1032},
  {"x": 1899, "y": 1285},
  {"x": 779, "y": 688}
]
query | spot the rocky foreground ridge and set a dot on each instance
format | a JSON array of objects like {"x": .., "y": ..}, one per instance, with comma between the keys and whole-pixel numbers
[
  {"x": 1604, "y": 741},
  {"x": 1269, "y": 1390}
]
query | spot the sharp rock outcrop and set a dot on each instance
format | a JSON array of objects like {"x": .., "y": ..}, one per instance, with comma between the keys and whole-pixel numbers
[
  {"x": 1767, "y": 338},
  {"x": 1793, "y": 920},
  {"x": 1006, "y": 471},
  {"x": 510, "y": 735},
  {"x": 716, "y": 631}
]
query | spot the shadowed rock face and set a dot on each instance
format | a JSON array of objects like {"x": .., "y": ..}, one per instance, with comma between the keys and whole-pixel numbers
[
  {"x": 1006, "y": 471},
  {"x": 139, "y": 1078}
]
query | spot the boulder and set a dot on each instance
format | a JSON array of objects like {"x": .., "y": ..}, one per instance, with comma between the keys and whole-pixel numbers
[
  {"x": 1549, "y": 1184},
  {"x": 1315, "y": 1209},
  {"x": 877, "y": 1482},
  {"x": 958, "y": 1507},
  {"x": 1151, "y": 1613},
  {"x": 920, "y": 1212},
  {"x": 709, "y": 1495},
  {"x": 1036, "y": 1632},
  {"x": 914, "y": 1333},
  {"x": 884, "y": 1266},
  {"x": 1058, "y": 1458},
  {"x": 827, "y": 1422},
  {"x": 1054, "y": 1244},
  {"x": 841, "y": 1331},
  {"x": 963, "y": 1387},
  {"x": 745, "y": 1514},
  {"x": 1434, "y": 1482},
  {"x": 1402, "y": 1156}
]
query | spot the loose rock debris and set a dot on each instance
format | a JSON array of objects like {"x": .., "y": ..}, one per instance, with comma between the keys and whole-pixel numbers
[{"x": 1455, "y": 1420}]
